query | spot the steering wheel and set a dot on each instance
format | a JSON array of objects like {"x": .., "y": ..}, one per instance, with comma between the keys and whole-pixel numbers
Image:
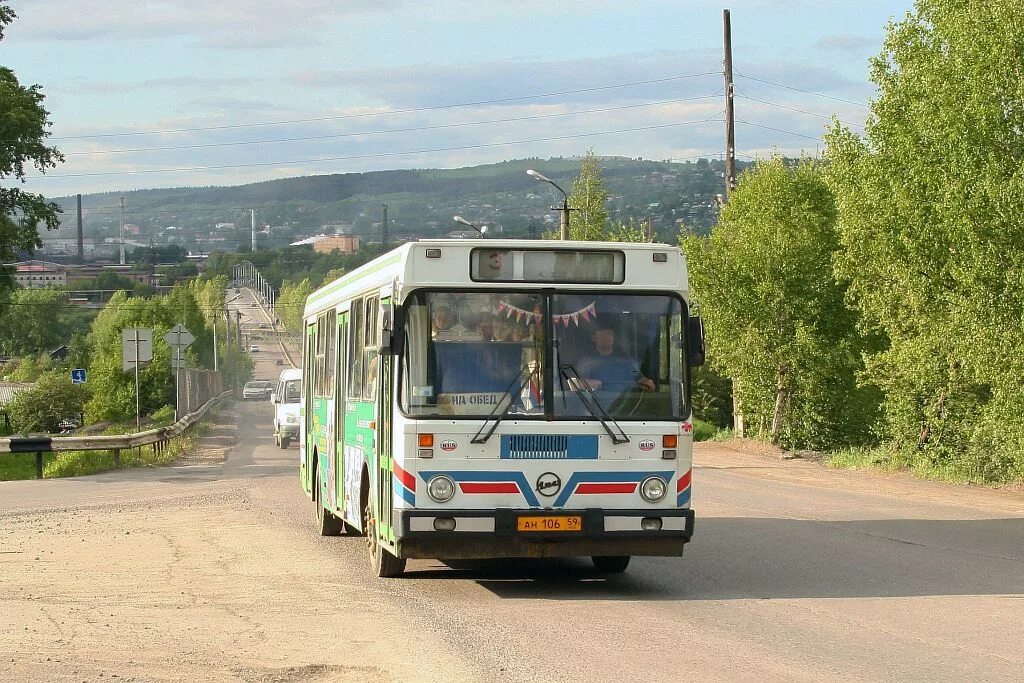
[{"x": 627, "y": 403}]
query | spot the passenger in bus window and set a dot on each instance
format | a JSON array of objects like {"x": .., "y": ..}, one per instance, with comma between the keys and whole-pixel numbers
[
  {"x": 608, "y": 371},
  {"x": 445, "y": 323}
]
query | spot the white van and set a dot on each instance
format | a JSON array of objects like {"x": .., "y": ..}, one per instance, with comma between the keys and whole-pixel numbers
[{"x": 286, "y": 407}]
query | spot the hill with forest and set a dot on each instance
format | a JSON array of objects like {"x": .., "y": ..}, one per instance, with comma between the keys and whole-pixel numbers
[{"x": 421, "y": 203}]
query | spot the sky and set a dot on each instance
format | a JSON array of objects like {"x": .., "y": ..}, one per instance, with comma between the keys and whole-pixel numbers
[{"x": 171, "y": 93}]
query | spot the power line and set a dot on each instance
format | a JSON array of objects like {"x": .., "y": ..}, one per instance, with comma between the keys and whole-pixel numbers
[
  {"x": 778, "y": 130},
  {"x": 392, "y": 112},
  {"x": 535, "y": 117},
  {"x": 801, "y": 111},
  {"x": 806, "y": 92},
  {"x": 378, "y": 154}
]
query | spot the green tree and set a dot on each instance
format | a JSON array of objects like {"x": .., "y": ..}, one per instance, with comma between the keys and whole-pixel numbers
[
  {"x": 35, "y": 328},
  {"x": 53, "y": 399},
  {"x": 776, "y": 319},
  {"x": 291, "y": 303},
  {"x": 588, "y": 199},
  {"x": 930, "y": 200},
  {"x": 24, "y": 125}
]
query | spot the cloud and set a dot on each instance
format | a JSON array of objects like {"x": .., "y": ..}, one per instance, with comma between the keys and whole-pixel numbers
[
  {"x": 170, "y": 83},
  {"x": 244, "y": 24},
  {"x": 433, "y": 85},
  {"x": 846, "y": 42}
]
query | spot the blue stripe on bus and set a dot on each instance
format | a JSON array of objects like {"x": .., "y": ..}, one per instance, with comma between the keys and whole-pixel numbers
[
  {"x": 471, "y": 475},
  {"x": 404, "y": 493}
]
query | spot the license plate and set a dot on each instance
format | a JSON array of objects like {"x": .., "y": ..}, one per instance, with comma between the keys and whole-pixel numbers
[{"x": 561, "y": 523}]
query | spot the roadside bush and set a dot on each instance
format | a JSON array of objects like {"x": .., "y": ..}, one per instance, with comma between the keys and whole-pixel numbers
[{"x": 53, "y": 400}]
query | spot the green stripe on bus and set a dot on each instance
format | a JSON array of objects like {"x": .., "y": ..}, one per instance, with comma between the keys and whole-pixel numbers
[{"x": 349, "y": 279}]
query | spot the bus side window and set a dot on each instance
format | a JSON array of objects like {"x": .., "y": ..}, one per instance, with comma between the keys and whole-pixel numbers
[
  {"x": 370, "y": 336},
  {"x": 331, "y": 351},
  {"x": 355, "y": 351}
]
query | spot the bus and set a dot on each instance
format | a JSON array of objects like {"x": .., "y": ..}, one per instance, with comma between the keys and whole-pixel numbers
[{"x": 469, "y": 399}]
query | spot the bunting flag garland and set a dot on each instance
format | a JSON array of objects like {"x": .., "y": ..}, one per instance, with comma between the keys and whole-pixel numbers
[{"x": 587, "y": 313}]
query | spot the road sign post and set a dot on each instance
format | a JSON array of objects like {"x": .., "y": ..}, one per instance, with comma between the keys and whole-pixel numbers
[
  {"x": 136, "y": 349},
  {"x": 180, "y": 339}
]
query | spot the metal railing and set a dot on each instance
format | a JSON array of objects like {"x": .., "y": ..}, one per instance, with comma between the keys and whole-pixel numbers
[{"x": 157, "y": 438}]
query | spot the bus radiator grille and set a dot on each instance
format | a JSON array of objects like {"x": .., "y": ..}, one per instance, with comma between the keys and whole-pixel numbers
[{"x": 548, "y": 447}]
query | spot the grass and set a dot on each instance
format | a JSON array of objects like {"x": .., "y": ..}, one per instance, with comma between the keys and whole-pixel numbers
[
  {"x": 706, "y": 431},
  {"x": 962, "y": 471}
]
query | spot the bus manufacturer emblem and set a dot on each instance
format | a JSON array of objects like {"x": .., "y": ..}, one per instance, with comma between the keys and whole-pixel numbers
[
  {"x": 646, "y": 445},
  {"x": 449, "y": 445},
  {"x": 549, "y": 484}
]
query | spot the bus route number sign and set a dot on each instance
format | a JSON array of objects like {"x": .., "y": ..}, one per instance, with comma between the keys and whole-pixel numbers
[{"x": 560, "y": 523}]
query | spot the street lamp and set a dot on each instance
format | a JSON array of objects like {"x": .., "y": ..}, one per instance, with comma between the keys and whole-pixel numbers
[
  {"x": 565, "y": 203},
  {"x": 460, "y": 219}
]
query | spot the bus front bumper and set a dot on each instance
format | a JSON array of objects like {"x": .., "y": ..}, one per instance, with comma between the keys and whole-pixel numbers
[{"x": 480, "y": 534}]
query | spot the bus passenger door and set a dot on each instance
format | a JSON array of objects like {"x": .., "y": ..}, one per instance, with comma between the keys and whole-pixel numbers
[
  {"x": 343, "y": 483},
  {"x": 383, "y": 415}
]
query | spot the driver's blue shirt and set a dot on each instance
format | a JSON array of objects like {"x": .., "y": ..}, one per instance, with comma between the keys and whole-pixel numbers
[{"x": 617, "y": 373}]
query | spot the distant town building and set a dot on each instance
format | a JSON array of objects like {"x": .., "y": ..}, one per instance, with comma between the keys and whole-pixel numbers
[
  {"x": 346, "y": 244},
  {"x": 39, "y": 274}
]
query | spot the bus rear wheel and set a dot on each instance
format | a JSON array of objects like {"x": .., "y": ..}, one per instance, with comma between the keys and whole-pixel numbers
[
  {"x": 611, "y": 564},
  {"x": 385, "y": 565},
  {"x": 326, "y": 523}
]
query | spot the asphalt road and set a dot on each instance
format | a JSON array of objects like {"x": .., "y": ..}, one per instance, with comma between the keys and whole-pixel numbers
[{"x": 211, "y": 570}]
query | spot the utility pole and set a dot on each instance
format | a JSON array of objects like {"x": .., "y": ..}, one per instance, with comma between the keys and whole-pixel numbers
[
  {"x": 738, "y": 424},
  {"x": 730, "y": 118},
  {"x": 384, "y": 228},
  {"x": 122, "y": 231},
  {"x": 81, "y": 237},
  {"x": 252, "y": 214}
]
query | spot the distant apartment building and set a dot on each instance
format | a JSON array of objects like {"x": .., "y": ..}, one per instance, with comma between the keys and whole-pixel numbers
[
  {"x": 346, "y": 244},
  {"x": 39, "y": 274}
]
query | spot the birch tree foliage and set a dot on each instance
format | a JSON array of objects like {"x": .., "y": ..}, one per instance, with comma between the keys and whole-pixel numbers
[
  {"x": 776, "y": 318},
  {"x": 24, "y": 127},
  {"x": 588, "y": 219},
  {"x": 930, "y": 202}
]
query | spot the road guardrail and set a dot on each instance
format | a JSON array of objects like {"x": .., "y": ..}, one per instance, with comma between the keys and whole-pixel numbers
[{"x": 157, "y": 438}]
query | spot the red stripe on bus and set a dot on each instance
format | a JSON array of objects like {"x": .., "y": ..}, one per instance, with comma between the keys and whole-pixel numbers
[
  {"x": 684, "y": 481},
  {"x": 408, "y": 481},
  {"x": 606, "y": 488},
  {"x": 489, "y": 487}
]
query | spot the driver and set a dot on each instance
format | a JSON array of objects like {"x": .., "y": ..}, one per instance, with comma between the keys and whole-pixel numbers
[{"x": 608, "y": 371}]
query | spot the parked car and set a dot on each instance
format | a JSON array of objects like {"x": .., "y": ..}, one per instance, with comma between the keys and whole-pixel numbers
[
  {"x": 286, "y": 407},
  {"x": 254, "y": 349},
  {"x": 257, "y": 390}
]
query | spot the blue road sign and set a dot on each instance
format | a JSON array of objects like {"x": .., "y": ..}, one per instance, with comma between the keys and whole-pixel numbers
[{"x": 78, "y": 376}]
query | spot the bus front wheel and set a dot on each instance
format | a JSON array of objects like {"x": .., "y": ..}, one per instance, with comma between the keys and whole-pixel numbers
[
  {"x": 385, "y": 565},
  {"x": 611, "y": 564}
]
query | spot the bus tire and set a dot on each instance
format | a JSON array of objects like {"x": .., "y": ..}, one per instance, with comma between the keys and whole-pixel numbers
[
  {"x": 385, "y": 565},
  {"x": 326, "y": 523},
  {"x": 283, "y": 441},
  {"x": 611, "y": 564}
]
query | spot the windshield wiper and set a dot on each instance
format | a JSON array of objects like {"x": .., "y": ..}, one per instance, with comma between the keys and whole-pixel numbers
[
  {"x": 524, "y": 374},
  {"x": 590, "y": 402}
]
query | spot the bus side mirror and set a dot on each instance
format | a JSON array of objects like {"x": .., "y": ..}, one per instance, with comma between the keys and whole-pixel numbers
[
  {"x": 273, "y": 398},
  {"x": 695, "y": 341},
  {"x": 390, "y": 331}
]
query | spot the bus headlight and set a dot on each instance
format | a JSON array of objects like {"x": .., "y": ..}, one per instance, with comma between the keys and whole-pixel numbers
[
  {"x": 441, "y": 488},
  {"x": 653, "y": 489}
]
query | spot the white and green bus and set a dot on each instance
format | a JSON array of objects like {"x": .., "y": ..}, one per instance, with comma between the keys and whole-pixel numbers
[{"x": 503, "y": 398}]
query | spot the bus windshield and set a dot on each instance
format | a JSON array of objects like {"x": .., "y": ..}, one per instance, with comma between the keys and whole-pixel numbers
[{"x": 475, "y": 354}]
